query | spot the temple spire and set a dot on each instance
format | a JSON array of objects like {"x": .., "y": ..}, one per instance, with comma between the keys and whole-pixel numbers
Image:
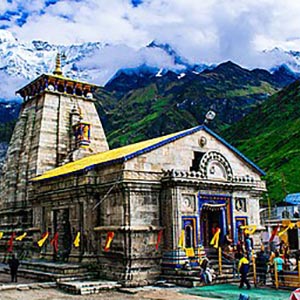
[{"x": 57, "y": 70}]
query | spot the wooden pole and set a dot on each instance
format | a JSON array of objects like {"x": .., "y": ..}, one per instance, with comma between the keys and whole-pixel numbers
[
  {"x": 220, "y": 260},
  {"x": 299, "y": 272},
  {"x": 254, "y": 268},
  {"x": 276, "y": 275},
  {"x": 269, "y": 207}
]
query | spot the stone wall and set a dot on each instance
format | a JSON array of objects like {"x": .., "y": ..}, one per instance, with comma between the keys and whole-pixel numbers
[
  {"x": 42, "y": 140},
  {"x": 180, "y": 154}
]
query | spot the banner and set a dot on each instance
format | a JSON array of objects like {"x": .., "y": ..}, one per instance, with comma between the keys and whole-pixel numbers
[
  {"x": 109, "y": 238},
  {"x": 249, "y": 229},
  {"x": 274, "y": 233},
  {"x": 10, "y": 242},
  {"x": 159, "y": 236},
  {"x": 21, "y": 237},
  {"x": 181, "y": 239},
  {"x": 189, "y": 252},
  {"x": 77, "y": 240},
  {"x": 54, "y": 242},
  {"x": 43, "y": 239},
  {"x": 215, "y": 240},
  {"x": 290, "y": 226}
]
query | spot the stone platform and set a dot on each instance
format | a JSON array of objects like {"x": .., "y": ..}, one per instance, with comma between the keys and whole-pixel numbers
[
  {"x": 53, "y": 271},
  {"x": 87, "y": 287}
]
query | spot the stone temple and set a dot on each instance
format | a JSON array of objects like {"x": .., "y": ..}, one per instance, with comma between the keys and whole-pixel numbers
[{"x": 60, "y": 177}]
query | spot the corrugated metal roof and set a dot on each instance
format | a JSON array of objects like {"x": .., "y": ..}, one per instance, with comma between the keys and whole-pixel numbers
[
  {"x": 293, "y": 198},
  {"x": 128, "y": 152}
]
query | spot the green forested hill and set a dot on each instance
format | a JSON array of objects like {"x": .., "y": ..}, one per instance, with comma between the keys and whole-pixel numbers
[
  {"x": 139, "y": 106},
  {"x": 147, "y": 106},
  {"x": 270, "y": 136}
]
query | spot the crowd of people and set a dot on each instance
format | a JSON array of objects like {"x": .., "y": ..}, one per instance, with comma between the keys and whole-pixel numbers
[{"x": 272, "y": 257}]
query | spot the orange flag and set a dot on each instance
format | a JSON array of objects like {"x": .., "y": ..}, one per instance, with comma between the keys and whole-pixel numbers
[
  {"x": 159, "y": 235},
  {"x": 109, "y": 238}
]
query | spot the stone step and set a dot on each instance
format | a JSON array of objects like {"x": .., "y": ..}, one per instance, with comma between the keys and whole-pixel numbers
[
  {"x": 88, "y": 287},
  {"x": 181, "y": 272},
  {"x": 60, "y": 268},
  {"x": 27, "y": 286},
  {"x": 52, "y": 276},
  {"x": 187, "y": 281}
]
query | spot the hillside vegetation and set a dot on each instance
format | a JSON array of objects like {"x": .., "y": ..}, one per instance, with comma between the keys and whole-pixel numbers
[{"x": 270, "y": 136}]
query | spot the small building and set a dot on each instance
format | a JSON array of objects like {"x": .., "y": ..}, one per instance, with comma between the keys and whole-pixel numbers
[{"x": 283, "y": 213}]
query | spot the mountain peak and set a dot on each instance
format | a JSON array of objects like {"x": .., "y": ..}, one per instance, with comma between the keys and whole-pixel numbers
[
  {"x": 229, "y": 65},
  {"x": 178, "y": 60},
  {"x": 6, "y": 36}
]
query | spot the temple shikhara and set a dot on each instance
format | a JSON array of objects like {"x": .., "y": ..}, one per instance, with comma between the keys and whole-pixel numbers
[{"x": 129, "y": 211}]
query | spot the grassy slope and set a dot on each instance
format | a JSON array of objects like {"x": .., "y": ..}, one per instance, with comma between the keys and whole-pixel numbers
[
  {"x": 270, "y": 136},
  {"x": 164, "y": 107}
]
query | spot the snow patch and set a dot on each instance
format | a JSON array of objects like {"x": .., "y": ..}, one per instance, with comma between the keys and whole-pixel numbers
[
  {"x": 6, "y": 37},
  {"x": 181, "y": 75},
  {"x": 159, "y": 73}
]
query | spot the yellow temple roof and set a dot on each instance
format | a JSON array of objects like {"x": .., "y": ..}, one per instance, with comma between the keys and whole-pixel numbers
[
  {"x": 111, "y": 156},
  {"x": 125, "y": 153}
]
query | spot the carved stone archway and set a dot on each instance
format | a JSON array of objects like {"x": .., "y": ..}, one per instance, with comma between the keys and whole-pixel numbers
[{"x": 214, "y": 165}]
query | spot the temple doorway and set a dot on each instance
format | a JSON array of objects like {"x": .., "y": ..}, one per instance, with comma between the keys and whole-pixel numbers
[
  {"x": 62, "y": 227},
  {"x": 210, "y": 220}
]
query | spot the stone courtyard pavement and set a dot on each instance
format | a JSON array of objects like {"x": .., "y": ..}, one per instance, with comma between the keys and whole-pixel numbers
[
  {"x": 37, "y": 291},
  {"x": 28, "y": 289}
]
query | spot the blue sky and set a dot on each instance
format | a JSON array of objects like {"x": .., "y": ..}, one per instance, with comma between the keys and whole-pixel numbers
[{"x": 203, "y": 31}]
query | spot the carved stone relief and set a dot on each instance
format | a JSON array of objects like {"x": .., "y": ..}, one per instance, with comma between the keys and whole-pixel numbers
[
  {"x": 187, "y": 203},
  {"x": 214, "y": 165}
]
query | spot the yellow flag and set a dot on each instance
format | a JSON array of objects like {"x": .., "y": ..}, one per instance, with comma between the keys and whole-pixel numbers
[
  {"x": 181, "y": 239},
  {"x": 21, "y": 237},
  {"x": 77, "y": 240},
  {"x": 1, "y": 234},
  {"x": 290, "y": 226},
  {"x": 43, "y": 239},
  {"x": 250, "y": 229},
  {"x": 109, "y": 238},
  {"x": 190, "y": 252},
  {"x": 215, "y": 240},
  {"x": 286, "y": 223}
]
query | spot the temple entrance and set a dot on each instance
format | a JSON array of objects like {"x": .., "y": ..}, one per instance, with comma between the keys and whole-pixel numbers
[
  {"x": 190, "y": 234},
  {"x": 61, "y": 225},
  {"x": 211, "y": 220}
]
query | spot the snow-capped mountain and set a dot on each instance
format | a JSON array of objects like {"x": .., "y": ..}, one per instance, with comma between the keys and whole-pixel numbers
[
  {"x": 280, "y": 57},
  {"x": 178, "y": 59},
  {"x": 30, "y": 59},
  {"x": 97, "y": 62},
  {"x": 94, "y": 62}
]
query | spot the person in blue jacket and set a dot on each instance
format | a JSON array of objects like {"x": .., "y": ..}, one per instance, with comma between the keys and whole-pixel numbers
[{"x": 243, "y": 268}]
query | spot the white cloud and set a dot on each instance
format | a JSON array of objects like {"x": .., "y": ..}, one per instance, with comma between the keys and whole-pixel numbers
[
  {"x": 10, "y": 84},
  {"x": 112, "y": 58},
  {"x": 203, "y": 31}
]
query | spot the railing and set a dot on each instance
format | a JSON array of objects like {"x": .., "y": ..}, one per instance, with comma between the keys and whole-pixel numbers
[
  {"x": 259, "y": 275},
  {"x": 287, "y": 278}
]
